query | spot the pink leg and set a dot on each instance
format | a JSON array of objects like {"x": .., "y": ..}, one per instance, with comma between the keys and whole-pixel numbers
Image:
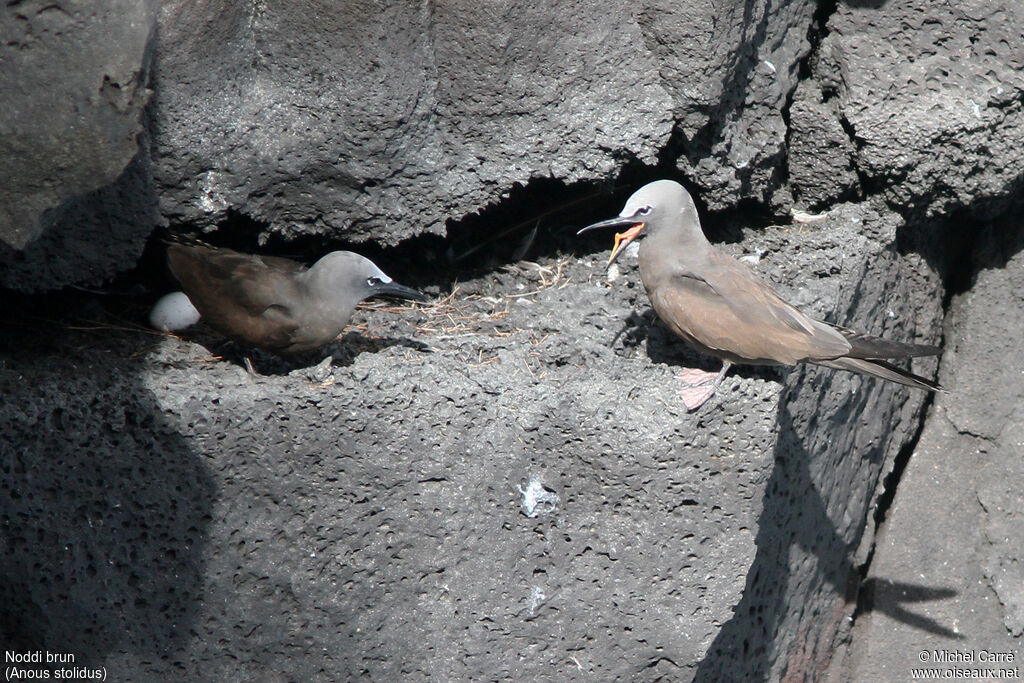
[
  {"x": 694, "y": 377},
  {"x": 700, "y": 385}
]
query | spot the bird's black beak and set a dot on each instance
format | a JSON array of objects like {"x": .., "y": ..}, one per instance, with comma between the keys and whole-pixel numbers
[
  {"x": 622, "y": 239},
  {"x": 393, "y": 289}
]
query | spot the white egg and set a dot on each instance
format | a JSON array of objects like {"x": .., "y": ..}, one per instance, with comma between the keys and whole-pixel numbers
[{"x": 173, "y": 312}]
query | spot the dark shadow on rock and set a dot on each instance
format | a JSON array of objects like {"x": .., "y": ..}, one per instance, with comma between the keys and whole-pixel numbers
[
  {"x": 354, "y": 343},
  {"x": 888, "y": 597},
  {"x": 980, "y": 235},
  {"x": 342, "y": 352},
  {"x": 803, "y": 581},
  {"x": 89, "y": 238},
  {"x": 104, "y": 507},
  {"x": 633, "y": 331},
  {"x": 534, "y": 221}
]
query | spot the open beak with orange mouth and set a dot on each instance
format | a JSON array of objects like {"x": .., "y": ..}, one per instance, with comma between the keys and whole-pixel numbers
[{"x": 622, "y": 239}]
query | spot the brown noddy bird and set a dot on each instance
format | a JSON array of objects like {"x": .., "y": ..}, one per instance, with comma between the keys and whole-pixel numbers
[
  {"x": 720, "y": 307},
  {"x": 275, "y": 303}
]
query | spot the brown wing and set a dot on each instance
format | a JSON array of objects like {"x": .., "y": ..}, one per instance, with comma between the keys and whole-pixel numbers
[
  {"x": 244, "y": 296},
  {"x": 728, "y": 311}
]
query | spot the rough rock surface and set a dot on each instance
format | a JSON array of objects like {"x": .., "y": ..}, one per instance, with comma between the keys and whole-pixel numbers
[
  {"x": 73, "y": 80},
  {"x": 385, "y": 124},
  {"x": 731, "y": 69},
  {"x": 933, "y": 94},
  {"x": 506, "y": 486},
  {"x": 946, "y": 576},
  {"x": 821, "y": 154},
  {"x": 378, "y": 122}
]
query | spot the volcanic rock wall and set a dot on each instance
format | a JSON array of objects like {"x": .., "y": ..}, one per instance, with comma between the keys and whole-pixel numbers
[{"x": 164, "y": 514}]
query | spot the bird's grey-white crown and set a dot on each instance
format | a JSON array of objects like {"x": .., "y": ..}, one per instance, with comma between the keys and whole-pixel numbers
[
  {"x": 350, "y": 264},
  {"x": 371, "y": 271},
  {"x": 666, "y": 194}
]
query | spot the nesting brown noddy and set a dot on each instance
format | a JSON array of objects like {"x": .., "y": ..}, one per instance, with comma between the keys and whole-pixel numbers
[
  {"x": 275, "y": 303},
  {"x": 722, "y": 308}
]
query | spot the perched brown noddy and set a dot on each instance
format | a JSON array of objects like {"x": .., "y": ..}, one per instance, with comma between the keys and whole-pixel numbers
[
  {"x": 722, "y": 308},
  {"x": 275, "y": 303}
]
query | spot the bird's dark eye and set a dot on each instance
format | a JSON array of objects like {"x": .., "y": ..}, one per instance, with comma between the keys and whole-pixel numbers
[
  {"x": 643, "y": 211},
  {"x": 374, "y": 281}
]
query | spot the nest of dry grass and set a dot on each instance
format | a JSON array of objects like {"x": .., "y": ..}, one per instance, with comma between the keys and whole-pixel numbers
[{"x": 454, "y": 315}]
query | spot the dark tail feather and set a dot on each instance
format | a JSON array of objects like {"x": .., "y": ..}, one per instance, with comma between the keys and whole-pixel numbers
[
  {"x": 883, "y": 370},
  {"x": 866, "y": 346}
]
